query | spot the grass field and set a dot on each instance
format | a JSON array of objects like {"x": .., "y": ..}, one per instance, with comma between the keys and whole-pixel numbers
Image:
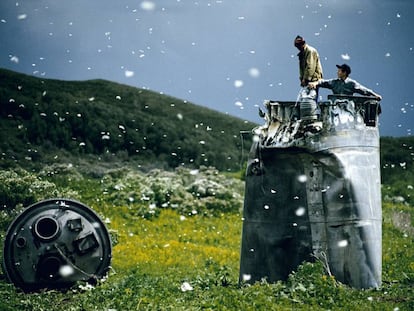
[{"x": 189, "y": 261}]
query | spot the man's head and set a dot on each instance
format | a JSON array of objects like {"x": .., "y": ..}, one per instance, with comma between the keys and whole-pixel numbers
[
  {"x": 299, "y": 43},
  {"x": 343, "y": 71}
]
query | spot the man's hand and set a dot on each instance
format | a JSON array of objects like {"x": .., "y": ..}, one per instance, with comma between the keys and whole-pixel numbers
[{"x": 312, "y": 85}]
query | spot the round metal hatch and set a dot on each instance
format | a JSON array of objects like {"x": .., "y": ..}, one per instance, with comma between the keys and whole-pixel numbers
[{"x": 54, "y": 243}]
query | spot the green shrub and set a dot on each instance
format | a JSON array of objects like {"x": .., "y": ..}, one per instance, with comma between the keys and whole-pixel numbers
[
  {"x": 19, "y": 187},
  {"x": 189, "y": 192}
]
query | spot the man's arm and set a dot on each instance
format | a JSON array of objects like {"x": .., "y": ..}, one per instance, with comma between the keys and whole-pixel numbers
[
  {"x": 360, "y": 89},
  {"x": 327, "y": 84}
]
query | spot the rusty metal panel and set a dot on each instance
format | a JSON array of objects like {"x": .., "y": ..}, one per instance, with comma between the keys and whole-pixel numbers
[{"x": 313, "y": 191}]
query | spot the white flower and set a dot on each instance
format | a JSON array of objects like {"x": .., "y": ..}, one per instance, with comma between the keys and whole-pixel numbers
[
  {"x": 86, "y": 287},
  {"x": 186, "y": 287}
]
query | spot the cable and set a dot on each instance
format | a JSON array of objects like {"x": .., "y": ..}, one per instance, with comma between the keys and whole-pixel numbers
[{"x": 91, "y": 276}]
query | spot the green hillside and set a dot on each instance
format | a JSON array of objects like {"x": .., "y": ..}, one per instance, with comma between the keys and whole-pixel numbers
[
  {"x": 43, "y": 120},
  {"x": 54, "y": 121}
]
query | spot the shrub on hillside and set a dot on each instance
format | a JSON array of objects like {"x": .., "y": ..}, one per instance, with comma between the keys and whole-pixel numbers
[
  {"x": 19, "y": 188},
  {"x": 203, "y": 191}
]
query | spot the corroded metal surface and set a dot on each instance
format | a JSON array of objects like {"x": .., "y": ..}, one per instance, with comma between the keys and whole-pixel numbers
[{"x": 313, "y": 191}]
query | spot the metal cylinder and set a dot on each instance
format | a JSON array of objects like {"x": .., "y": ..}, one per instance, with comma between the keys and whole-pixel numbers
[
  {"x": 46, "y": 228},
  {"x": 308, "y": 110},
  {"x": 54, "y": 243},
  {"x": 314, "y": 192}
]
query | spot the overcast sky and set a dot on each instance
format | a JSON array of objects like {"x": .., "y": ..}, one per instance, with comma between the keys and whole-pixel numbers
[{"x": 228, "y": 55}]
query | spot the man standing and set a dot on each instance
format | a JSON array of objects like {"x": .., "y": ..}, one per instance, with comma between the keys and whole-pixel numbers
[
  {"x": 344, "y": 85},
  {"x": 310, "y": 69}
]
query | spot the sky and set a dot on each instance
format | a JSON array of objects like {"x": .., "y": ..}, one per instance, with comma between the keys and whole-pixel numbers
[{"x": 228, "y": 55}]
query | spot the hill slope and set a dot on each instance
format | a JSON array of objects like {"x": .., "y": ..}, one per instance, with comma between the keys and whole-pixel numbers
[
  {"x": 45, "y": 121},
  {"x": 40, "y": 116}
]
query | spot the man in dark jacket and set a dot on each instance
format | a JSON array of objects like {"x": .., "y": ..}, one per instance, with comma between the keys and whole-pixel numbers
[{"x": 344, "y": 85}]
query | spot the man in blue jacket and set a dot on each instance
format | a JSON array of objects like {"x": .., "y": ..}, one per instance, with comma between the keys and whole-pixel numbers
[{"x": 344, "y": 85}]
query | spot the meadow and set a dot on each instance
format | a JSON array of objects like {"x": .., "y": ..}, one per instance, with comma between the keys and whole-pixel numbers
[{"x": 176, "y": 256}]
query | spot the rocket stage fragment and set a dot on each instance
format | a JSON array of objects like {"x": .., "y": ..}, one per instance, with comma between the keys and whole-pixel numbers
[
  {"x": 313, "y": 190},
  {"x": 55, "y": 243}
]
